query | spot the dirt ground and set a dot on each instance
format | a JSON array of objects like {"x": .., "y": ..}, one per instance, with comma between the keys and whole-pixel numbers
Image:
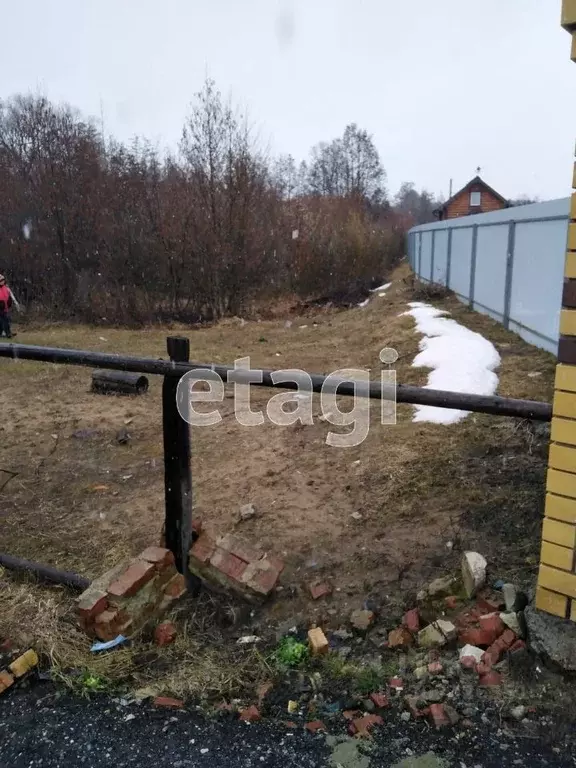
[{"x": 73, "y": 497}]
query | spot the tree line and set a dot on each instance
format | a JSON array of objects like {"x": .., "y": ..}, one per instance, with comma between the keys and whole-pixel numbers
[{"x": 107, "y": 232}]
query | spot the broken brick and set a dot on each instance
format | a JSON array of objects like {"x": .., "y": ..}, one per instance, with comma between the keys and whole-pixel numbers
[
  {"x": 483, "y": 667},
  {"x": 239, "y": 548},
  {"x": 6, "y": 680},
  {"x": 362, "y": 726},
  {"x": 451, "y": 602},
  {"x": 491, "y": 622},
  {"x": 411, "y": 620},
  {"x": 438, "y": 715},
  {"x": 478, "y": 637},
  {"x": 318, "y": 641},
  {"x": 490, "y": 678},
  {"x": 91, "y": 602},
  {"x": 228, "y": 564},
  {"x": 160, "y": 556},
  {"x": 109, "y": 624},
  {"x": 519, "y": 645},
  {"x": 315, "y": 726},
  {"x": 261, "y": 576},
  {"x": 165, "y": 633},
  {"x": 318, "y": 590},
  {"x": 176, "y": 587},
  {"x": 380, "y": 700},
  {"x": 167, "y": 701},
  {"x": 435, "y": 668},
  {"x": 400, "y": 638},
  {"x": 485, "y": 605},
  {"x": 203, "y": 548},
  {"x": 136, "y": 575},
  {"x": 250, "y": 714},
  {"x": 24, "y": 663},
  {"x": 412, "y": 704},
  {"x": 396, "y": 683}
]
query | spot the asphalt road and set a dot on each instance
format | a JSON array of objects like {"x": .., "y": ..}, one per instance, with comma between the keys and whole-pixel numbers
[{"x": 43, "y": 727}]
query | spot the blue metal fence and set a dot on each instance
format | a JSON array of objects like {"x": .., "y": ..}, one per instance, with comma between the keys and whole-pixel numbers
[{"x": 507, "y": 264}]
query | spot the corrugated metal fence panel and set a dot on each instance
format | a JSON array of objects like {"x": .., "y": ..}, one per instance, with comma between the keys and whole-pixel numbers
[
  {"x": 537, "y": 278},
  {"x": 426, "y": 256},
  {"x": 460, "y": 262},
  {"x": 518, "y": 262},
  {"x": 490, "y": 278},
  {"x": 440, "y": 256}
]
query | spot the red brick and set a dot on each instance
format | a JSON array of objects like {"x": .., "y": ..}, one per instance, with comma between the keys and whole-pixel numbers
[
  {"x": 400, "y": 638},
  {"x": 411, "y": 620},
  {"x": 508, "y": 638},
  {"x": 485, "y": 605},
  {"x": 490, "y": 678},
  {"x": 228, "y": 564},
  {"x": 362, "y": 726},
  {"x": 519, "y": 645},
  {"x": 396, "y": 683},
  {"x": 165, "y": 633},
  {"x": 176, "y": 587},
  {"x": 132, "y": 579},
  {"x": 6, "y": 680},
  {"x": 318, "y": 590},
  {"x": 315, "y": 726},
  {"x": 250, "y": 714},
  {"x": 468, "y": 662},
  {"x": 203, "y": 548},
  {"x": 491, "y": 622},
  {"x": 478, "y": 637},
  {"x": 438, "y": 715},
  {"x": 167, "y": 701},
  {"x": 260, "y": 576},
  {"x": 483, "y": 667},
  {"x": 109, "y": 624},
  {"x": 239, "y": 548},
  {"x": 159, "y": 556},
  {"x": 435, "y": 668},
  {"x": 380, "y": 700},
  {"x": 451, "y": 602},
  {"x": 276, "y": 562},
  {"x": 91, "y": 603}
]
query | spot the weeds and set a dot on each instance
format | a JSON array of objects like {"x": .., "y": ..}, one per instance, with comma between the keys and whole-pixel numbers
[{"x": 290, "y": 653}]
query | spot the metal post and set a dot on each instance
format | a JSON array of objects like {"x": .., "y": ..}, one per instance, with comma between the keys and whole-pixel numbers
[
  {"x": 473, "y": 266},
  {"x": 509, "y": 272},
  {"x": 449, "y": 258},
  {"x": 432, "y": 256},
  {"x": 177, "y": 466}
]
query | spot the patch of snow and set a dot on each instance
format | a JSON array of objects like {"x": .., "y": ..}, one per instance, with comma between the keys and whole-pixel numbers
[
  {"x": 461, "y": 361},
  {"x": 381, "y": 288},
  {"x": 27, "y": 230},
  {"x": 364, "y": 303}
]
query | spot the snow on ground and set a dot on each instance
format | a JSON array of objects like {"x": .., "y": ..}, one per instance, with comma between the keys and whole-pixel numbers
[
  {"x": 461, "y": 361},
  {"x": 364, "y": 303},
  {"x": 381, "y": 288}
]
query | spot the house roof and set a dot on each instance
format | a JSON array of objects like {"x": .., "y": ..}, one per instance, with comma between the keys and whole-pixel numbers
[{"x": 472, "y": 182}]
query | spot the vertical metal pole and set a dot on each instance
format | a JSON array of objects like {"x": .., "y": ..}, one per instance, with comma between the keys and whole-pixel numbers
[
  {"x": 177, "y": 465},
  {"x": 432, "y": 256},
  {"x": 473, "y": 266},
  {"x": 509, "y": 272},
  {"x": 449, "y": 258}
]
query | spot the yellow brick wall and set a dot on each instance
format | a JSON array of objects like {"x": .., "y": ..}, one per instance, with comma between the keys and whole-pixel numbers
[{"x": 556, "y": 592}]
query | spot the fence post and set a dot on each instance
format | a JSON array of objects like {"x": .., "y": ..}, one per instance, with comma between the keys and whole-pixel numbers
[
  {"x": 177, "y": 466},
  {"x": 509, "y": 272},
  {"x": 449, "y": 258},
  {"x": 433, "y": 248},
  {"x": 473, "y": 266}
]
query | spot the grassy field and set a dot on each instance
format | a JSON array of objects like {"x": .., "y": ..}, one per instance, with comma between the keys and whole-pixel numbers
[{"x": 73, "y": 497}]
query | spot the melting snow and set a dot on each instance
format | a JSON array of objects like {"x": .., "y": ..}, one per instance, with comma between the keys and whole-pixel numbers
[
  {"x": 381, "y": 288},
  {"x": 364, "y": 303},
  {"x": 461, "y": 361}
]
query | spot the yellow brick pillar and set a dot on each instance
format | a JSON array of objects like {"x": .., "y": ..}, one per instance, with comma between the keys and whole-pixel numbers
[{"x": 556, "y": 591}]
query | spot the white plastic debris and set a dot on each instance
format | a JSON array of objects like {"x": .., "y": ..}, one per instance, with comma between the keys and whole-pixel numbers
[{"x": 248, "y": 640}]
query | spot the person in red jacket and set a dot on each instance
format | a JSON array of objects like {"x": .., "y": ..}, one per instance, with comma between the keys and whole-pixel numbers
[{"x": 5, "y": 306}]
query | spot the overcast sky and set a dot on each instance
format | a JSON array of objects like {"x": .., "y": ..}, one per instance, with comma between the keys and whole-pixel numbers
[{"x": 443, "y": 86}]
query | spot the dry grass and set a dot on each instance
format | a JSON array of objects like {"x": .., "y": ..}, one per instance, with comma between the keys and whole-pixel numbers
[{"x": 84, "y": 504}]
